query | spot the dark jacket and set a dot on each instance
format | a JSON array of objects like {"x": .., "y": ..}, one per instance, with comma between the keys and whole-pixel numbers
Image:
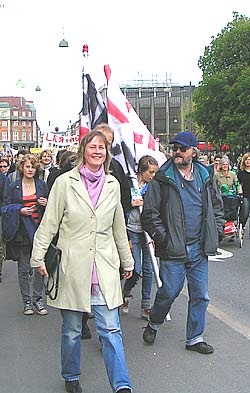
[
  {"x": 163, "y": 214},
  {"x": 3, "y": 180},
  {"x": 55, "y": 172},
  {"x": 19, "y": 230},
  {"x": 12, "y": 220},
  {"x": 13, "y": 193},
  {"x": 117, "y": 171}
]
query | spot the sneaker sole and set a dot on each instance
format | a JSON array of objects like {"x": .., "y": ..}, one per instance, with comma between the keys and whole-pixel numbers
[
  {"x": 29, "y": 312},
  {"x": 44, "y": 312}
]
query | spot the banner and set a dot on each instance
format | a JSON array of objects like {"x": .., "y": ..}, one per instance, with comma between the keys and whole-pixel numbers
[{"x": 51, "y": 140}]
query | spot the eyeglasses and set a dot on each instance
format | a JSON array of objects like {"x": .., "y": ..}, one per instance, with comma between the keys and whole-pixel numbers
[
  {"x": 3, "y": 166},
  {"x": 183, "y": 149}
]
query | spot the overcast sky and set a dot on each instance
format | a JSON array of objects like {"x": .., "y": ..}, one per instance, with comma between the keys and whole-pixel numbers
[{"x": 140, "y": 39}]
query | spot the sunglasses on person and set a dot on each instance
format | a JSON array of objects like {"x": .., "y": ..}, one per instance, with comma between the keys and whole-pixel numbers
[
  {"x": 3, "y": 166},
  {"x": 183, "y": 149}
]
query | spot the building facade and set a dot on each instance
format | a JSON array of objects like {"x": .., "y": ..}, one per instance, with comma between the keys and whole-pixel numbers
[{"x": 18, "y": 125}]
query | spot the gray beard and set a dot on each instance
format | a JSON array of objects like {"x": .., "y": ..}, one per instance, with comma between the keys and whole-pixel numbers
[{"x": 184, "y": 164}]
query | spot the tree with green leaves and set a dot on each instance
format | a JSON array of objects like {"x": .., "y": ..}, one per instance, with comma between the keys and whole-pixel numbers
[{"x": 222, "y": 99}]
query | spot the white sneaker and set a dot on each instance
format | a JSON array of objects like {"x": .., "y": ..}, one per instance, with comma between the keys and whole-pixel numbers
[
  {"x": 28, "y": 309},
  {"x": 124, "y": 307}
]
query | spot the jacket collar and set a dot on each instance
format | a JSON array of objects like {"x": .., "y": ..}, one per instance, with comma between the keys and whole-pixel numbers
[
  {"x": 79, "y": 188},
  {"x": 166, "y": 171}
]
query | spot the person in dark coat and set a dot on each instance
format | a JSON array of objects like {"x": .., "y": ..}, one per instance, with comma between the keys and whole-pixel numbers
[
  {"x": 66, "y": 163},
  {"x": 117, "y": 171},
  {"x": 183, "y": 214},
  {"x": 24, "y": 202}
]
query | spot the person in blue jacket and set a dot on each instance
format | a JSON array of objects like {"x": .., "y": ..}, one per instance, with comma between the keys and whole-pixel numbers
[{"x": 24, "y": 203}]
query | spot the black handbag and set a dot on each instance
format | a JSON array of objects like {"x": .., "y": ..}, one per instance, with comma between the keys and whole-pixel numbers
[{"x": 52, "y": 263}]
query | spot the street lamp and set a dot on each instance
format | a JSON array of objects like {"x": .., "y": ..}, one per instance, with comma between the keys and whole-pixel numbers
[{"x": 63, "y": 43}]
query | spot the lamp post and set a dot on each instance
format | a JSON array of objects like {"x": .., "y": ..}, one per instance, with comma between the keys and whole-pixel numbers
[{"x": 167, "y": 107}]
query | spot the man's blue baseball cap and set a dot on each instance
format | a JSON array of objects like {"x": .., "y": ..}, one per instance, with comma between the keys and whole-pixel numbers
[{"x": 185, "y": 138}]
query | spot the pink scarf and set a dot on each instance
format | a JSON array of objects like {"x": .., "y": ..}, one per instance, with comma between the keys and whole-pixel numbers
[{"x": 93, "y": 182}]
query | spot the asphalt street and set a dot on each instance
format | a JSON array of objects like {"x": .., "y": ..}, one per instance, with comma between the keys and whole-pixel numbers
[{"x": 30, "y": 345}]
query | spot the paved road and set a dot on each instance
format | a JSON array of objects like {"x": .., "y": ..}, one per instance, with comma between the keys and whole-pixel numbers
[{"x": 30, "y": 345}]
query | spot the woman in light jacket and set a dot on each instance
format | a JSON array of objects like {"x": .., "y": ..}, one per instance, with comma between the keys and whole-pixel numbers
[{"x": 84, "y": 208}]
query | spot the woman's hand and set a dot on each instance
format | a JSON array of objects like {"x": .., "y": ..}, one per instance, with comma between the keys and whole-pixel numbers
[
  {"x": 42, "y": 201},
  {"x": 127, "y": 274},
  {"x": 42, "y": 270},
  {"x": 26, "y": 211}
]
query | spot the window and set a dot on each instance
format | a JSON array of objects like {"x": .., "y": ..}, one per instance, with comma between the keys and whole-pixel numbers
[
  {"x": 15, "y": 113},
  {"x": 16, "y": 123},
  {"x": 29, "y": 123},
  {"x": 15, "y": 136},
  {"x": 29, "y": 114},
  {"x": 24, "y": 124},
  {"x": 4, "y": 115},
  {"x": 23, "y": 136},
  {"x": 4, "y": 123},
  {"x": 23, "y": 114},
  {"x": 30, "y": 136},
  {"x": 4, "y": 136}
]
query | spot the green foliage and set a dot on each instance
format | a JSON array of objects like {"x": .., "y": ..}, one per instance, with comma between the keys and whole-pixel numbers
[{"x": 222, "y": 100}]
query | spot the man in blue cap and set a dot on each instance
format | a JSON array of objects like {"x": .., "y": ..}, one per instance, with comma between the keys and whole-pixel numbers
[{"x": 183, "y": 214}]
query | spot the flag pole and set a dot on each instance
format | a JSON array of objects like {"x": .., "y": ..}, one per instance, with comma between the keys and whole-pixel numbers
[{"x": 83, "y": 128}]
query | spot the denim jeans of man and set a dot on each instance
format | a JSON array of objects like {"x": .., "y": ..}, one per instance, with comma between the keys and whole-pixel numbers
[
  {"x": 109, "y": 332},
  {"x": 143, "y": 264},
  {"x": 172, "y": 274},
  {"x": 245, "y": 211},
  {"x": 24, "y": 277}
]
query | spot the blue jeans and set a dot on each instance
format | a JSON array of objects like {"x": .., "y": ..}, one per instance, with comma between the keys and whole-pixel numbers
[
  {"x": 245, "y": 211},
  {"x": 173, "y": 274},
  {"x": 143, "y": 265},
  {"x": 109, "y": 332}
]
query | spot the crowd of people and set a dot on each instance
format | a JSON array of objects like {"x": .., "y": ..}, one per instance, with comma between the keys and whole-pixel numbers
[{"x": 86, "y": 201}]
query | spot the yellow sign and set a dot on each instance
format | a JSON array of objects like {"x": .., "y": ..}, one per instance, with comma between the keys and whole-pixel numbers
[{"x": 35, "y": 150}]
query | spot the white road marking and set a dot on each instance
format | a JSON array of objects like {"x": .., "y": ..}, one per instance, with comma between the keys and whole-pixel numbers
[
  {"x": 229, "y": 321},
  {"x": 222, "y": 254}
]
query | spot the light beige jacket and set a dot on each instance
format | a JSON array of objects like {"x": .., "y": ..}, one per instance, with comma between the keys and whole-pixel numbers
[{"x": 85, "y": 234}]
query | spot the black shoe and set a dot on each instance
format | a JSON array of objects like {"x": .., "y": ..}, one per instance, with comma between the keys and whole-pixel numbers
[
  {"x": 73, "y": 387},
  {"x": 124, "y": 390},
  {"x": 149, "y": 335},
  {"x": 86, "y": 335},
  {"x": 201, "y": 347}
]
